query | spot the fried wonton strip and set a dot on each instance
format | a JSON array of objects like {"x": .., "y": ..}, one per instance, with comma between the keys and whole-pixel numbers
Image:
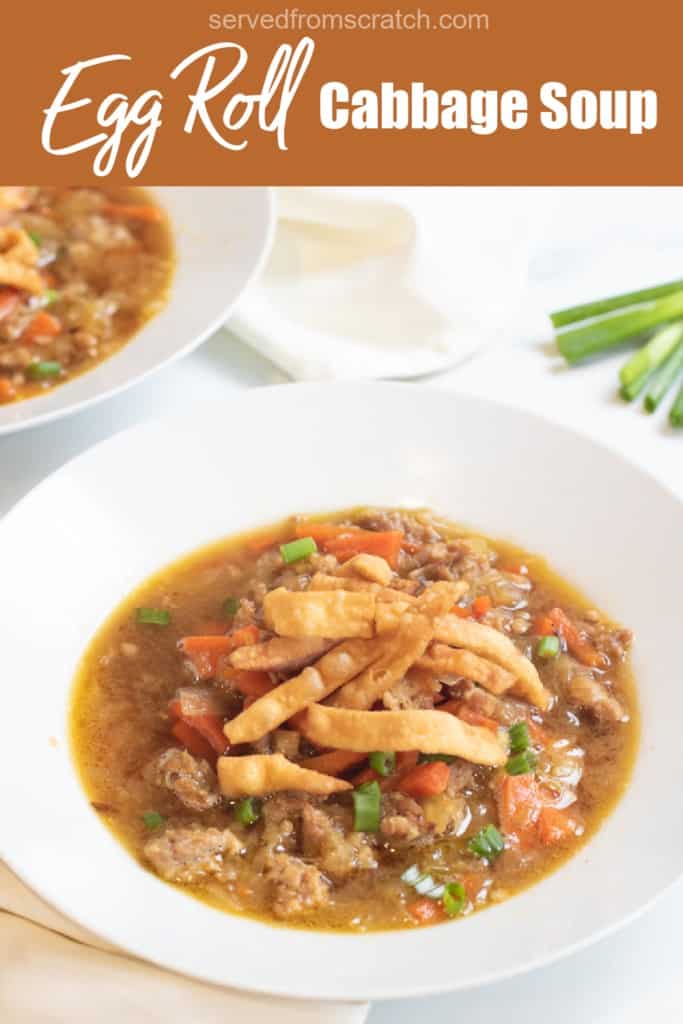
[
  {"x": 403, "y": 648},
  {"x": 488, "y": 642},
  {"x": 368, "y": 567},
  {"x": 443, "y": 660},
  {"x": 335, "y": 614},
  {"x": 261, "y": 774},
  {"x": 435, "y": 601},
  {"x": 334, "y": 669},
  {"x": 323, "y": 581},
  {"x": 430, "y": 732},
  {"x": 334, "y": 762},
  {"x": 281, "y": 654},
  {"x": 405, "y": 645}
]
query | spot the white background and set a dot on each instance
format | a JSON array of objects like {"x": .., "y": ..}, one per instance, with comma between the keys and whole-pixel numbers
[{"x": 574, "y": 245}]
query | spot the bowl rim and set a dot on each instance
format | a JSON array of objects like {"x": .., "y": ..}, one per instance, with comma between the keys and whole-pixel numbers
[{"x": 403, "y": 989}]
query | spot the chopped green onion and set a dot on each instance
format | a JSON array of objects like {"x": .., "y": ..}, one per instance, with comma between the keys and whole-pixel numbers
[
  {"x": 519, "y": 737},
  {"x": 295, "y": 550},
  {"x": 366, "y": 807},
  {"x": 454, "y": 898},
  {"x": 548, "y": 647},
  {"x": 382, "y": 761},
  {"x": 43, "y": 370},
  {"x": 247, "y": 811},
  {"x": 431, "y": 758},
  {"x": 488, "y": 843},
  {"x": 424, "y": 885},
  {"x": 664, "y": 378},
  {"x": 676, "y": 414},
  {"x": 437, "y": 892},
  {"x": 588, "y": 310},
  {"x": 35, "y": 238},
  {"x": 153, "y": 616},
  {"x": 650, "y": 356},
  {"x": 411, "y": 875},
  {"x": 520, "y": 764},
  {"x": 630, "y": 391},
  {"x": 601, "y": 335},
  {"x": 153, "y": 820},
  {"x": 231, "y": 605},
  {"x": 50, "y": 295}
]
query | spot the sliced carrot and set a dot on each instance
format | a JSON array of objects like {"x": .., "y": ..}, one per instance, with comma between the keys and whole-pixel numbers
[
  {"x": 542, "y": 626},
  {"x": 462, "y": 611},
  {"x": 335, "y": 762},
  {"x": 473, "y": 884},
  {"x": 9, "y": 300},
  {"x": 260, "y": 544},
  {"x": 208, "y": 727},
  {"x": 251, "y": 684},
  {"x": 538, "y": 734},
  {"x": 555, "y": 826},
  {"x": 406, "y": 760},
  {"x": 426, "y": 911},
  {"x": 519, "y": 807},
  {"x": 193, "y": 741},
  {"x": 472, "y": 717},
  {"x": 347, "y": 541},
  {"x": 43, "y": 325},
  {"x": 205, "y": 651},
  {"x": 581, "y": 648},
  {"x": 481, "y": 605},
  {"x": 426, "y": 779},
  {"x": 130, "y": 211},
  {"x": 7, "y": 391}
]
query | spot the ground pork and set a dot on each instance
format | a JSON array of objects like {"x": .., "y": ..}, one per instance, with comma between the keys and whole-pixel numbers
[
  {"x": 190, "y": 854},
  {"x": 295, "y": 887},
  {"x": 191, "y": 779}
]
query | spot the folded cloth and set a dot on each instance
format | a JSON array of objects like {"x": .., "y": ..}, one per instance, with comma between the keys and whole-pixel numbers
[
  {"x": 54, "y": 972},
  {"x": 343, "y": 295}
]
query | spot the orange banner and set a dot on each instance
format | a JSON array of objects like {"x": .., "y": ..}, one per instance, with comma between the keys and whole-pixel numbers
[{"x": 357, "y": 93}]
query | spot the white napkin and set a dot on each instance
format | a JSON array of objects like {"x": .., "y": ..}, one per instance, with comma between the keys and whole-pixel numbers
[
  {"x": 54, "y": 972},
  {"x": 353, "y": 289}
]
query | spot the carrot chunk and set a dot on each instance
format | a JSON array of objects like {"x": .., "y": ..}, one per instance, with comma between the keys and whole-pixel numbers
[
  {"x": 43, "y": 325},
  {"x": 193, "y": 741},
  {"x": 251, "y": 684},
  {"x": 130, "y": 211},
  {"x": 7, "y": 392},
  {"x": 347, "y": 541},
  {"x": 428, "y": 779},
  {"x": 519, "y": 807},
  {"x": 426, "y": 911},
  {"x": 555, "y": 826},
  {"x": 9, "y": 300},
  {"x": 481, "y": 605},
  {"x": 473, "y": 717},
  {"x": 581, "y": 648},
  {"x": 204, "y": 652}
]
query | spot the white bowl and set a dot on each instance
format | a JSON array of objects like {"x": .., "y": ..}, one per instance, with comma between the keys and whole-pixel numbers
[
  {"x": 80, "y": 541},
  {"x": 222, "y": 237}
]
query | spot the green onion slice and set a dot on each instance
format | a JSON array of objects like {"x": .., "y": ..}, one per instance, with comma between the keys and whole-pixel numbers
[
  {"x": 153, "y": 616},
  {"x": 411, "y": 875},
  {"x": 520, "y": 764},
  {"x": 295, "y": 550},
  {"x": 488, "y": 843},
  {"x": 43, "y": 370},
  {"x": 454, "y": 898},
  {"x": 50, "y": 295},
  {"x": 367, "y": 800},
  {"x": 519, "y": 737},
  {"x": 548, "y": 647},
  {"x": 431, "y": 758},
  {"x": 231, "y": 605},
  {"x": 424, "y": 885},
  {"x": 153, "y": 820},
  {"x": 247, "y": 811},
  {"x": 383, "y": 762},
  {"x": 35, "y": 238}
]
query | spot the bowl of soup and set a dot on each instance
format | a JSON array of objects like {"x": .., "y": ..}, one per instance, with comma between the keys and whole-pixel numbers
[
  {"x": 374, "y": 702},
  {"x": 99, "y": 286}
]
